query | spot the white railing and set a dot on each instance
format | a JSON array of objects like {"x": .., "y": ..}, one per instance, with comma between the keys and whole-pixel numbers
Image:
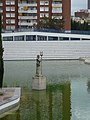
[
  {"x": 27, "y": 4},
  {"x": 28, "y": 11},
  {"x": 27, "y": 17}
]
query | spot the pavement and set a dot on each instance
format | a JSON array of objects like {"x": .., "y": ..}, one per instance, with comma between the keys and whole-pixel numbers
[
  {"x": 9, "y": 93},
  {"x": 6, "y": 93},
  {"x": 9, "y": 99}
]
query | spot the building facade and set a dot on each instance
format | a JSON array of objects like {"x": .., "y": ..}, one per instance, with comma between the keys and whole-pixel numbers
[
  {"x": 9, "y": 14},
  {"x": 88, "y": 4},
  {"x": 26, "y": 13},
  {"x": 83, "y": 14}
]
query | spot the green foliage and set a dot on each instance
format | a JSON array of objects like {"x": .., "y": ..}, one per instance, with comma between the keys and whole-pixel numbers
[
  {"x": 1, "y": 50},
  {"x": 79, "y": 26},
  {"x": 50, "y": 23},
  {"x": 0, "y": 27}
]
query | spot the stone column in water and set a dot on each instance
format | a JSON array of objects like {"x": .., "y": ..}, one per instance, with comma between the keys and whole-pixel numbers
[{"x": 39, "y": 81}]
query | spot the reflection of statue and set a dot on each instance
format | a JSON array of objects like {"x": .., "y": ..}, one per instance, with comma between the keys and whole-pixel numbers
[
  {"x": 88, "y": 84},
  {"x": 38, "y": 65},
  {"x": 1, "y": 73}
]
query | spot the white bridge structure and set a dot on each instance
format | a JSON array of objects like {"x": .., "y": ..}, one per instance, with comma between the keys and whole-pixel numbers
[{"x": 26, "y": 45}]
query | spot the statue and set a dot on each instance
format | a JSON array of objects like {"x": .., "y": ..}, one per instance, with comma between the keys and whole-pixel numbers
[
  {"x": 39, "y": 81},
  {"x": 38, "y": 65}
]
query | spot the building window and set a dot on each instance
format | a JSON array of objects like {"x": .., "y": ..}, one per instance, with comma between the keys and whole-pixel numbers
[
  {"x": 12, "y": 8},
  {"x": 50, "y": 38},
  {"x": 13, "y": 21},
  {"x": 19, "y": 38},
  {"x": 12, "y": 27},
  {"x": 12, "y": 14},
  {"x": 7, "y": 8},
  {"x": 64, "y": 38},
  {"x": 8, "y": 21},
  {"x": 44, "y": 2},
  {"x": 7, "y": 38},
  {"x": 30, "y": 37},
  {"x": 8, "y": 14},
  {"x": 41, "y": 38}
]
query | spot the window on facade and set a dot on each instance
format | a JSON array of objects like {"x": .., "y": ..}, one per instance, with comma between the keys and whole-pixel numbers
[
  {"x": 30, "y": 37},
  {"x": 12, "y": 8},
  {"x": 12, "y": 27},
  {"x": 12, "y": 14},
  {"x": 13, "y": 21},
  {"x": 85, "y": 38},
  {"x": 74, "y": 38},
  {"x": 7, "y": 8},
  {"x": 63, "y": 38},
  {"x": 7, "y": 38},
  {"x": 41, "y": 38},
  {"x": 8, "y": 14},
  {"x": 19, "y": 38},
  {"x": 50, "y": 38},
  {"x": 8, "y": 27},
  {"x": 8, "y": 21}
]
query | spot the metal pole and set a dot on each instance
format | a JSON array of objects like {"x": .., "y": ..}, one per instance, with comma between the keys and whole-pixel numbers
[{"x": 41, "y": 54}]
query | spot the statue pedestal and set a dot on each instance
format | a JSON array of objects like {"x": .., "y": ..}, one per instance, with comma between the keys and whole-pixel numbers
[{"x": 39, "y": 82}]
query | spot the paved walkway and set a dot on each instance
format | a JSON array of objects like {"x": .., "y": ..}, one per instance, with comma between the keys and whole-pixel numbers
[{"x": 5, "y": 94}]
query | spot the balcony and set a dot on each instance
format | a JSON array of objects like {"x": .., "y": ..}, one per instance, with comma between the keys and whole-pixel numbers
[
  {"x": 56, "y": 5},
  {"x": 10, "y": 2},
  {"x": 57, "y": 17},
  {"x": 28, "y": 11},
  {"x": 27, "y": 4},
  {"x": 27, "y": 17},
  {"x": 26, "y": 24},
  {"x": 57, "y": 11}
]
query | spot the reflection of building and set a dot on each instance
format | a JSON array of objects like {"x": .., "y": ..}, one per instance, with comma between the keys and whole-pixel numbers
[
  {"x": 52, "y": 104},
  {"x": 26, "y": 13}
]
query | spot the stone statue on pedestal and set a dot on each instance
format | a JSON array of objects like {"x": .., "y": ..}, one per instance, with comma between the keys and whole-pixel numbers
[{"x": 39, "y": 81}]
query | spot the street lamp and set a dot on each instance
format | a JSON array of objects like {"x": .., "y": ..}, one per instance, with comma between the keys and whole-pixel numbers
[{"x": 41, "y": 54}]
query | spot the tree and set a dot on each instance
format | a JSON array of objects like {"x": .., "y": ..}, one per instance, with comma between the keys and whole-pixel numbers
[
  {"x": 1, "y": 58},
  {"x": 77, "y": 25},
  {"x": 50, "y": 23}
]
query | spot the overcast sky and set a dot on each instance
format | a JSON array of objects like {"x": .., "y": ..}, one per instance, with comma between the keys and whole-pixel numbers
[{"x": 77, "y": 5}]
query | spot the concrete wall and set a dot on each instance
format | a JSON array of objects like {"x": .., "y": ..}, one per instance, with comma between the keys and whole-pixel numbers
[{"x": 24, "y": 50}]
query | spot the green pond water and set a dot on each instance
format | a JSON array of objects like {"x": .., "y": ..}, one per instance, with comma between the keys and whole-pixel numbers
[{"x": 67, "y": 96}]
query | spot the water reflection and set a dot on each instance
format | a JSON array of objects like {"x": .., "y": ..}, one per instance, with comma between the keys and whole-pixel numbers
[
  {"x": 66, "y": 97},
  {"x": 88, "y": 86},
  {"x": 12, "y": 114},
  {"x": 1, "y": 72},
  {"x": 52, "y": 104}
]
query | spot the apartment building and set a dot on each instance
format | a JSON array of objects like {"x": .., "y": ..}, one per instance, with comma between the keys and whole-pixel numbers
[
  {"x": 26, "y": 13},
  {"x": 9, "y": 14}
]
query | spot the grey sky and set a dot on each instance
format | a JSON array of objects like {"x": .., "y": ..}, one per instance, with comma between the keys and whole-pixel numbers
[{"x": 77, "y": 5}]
